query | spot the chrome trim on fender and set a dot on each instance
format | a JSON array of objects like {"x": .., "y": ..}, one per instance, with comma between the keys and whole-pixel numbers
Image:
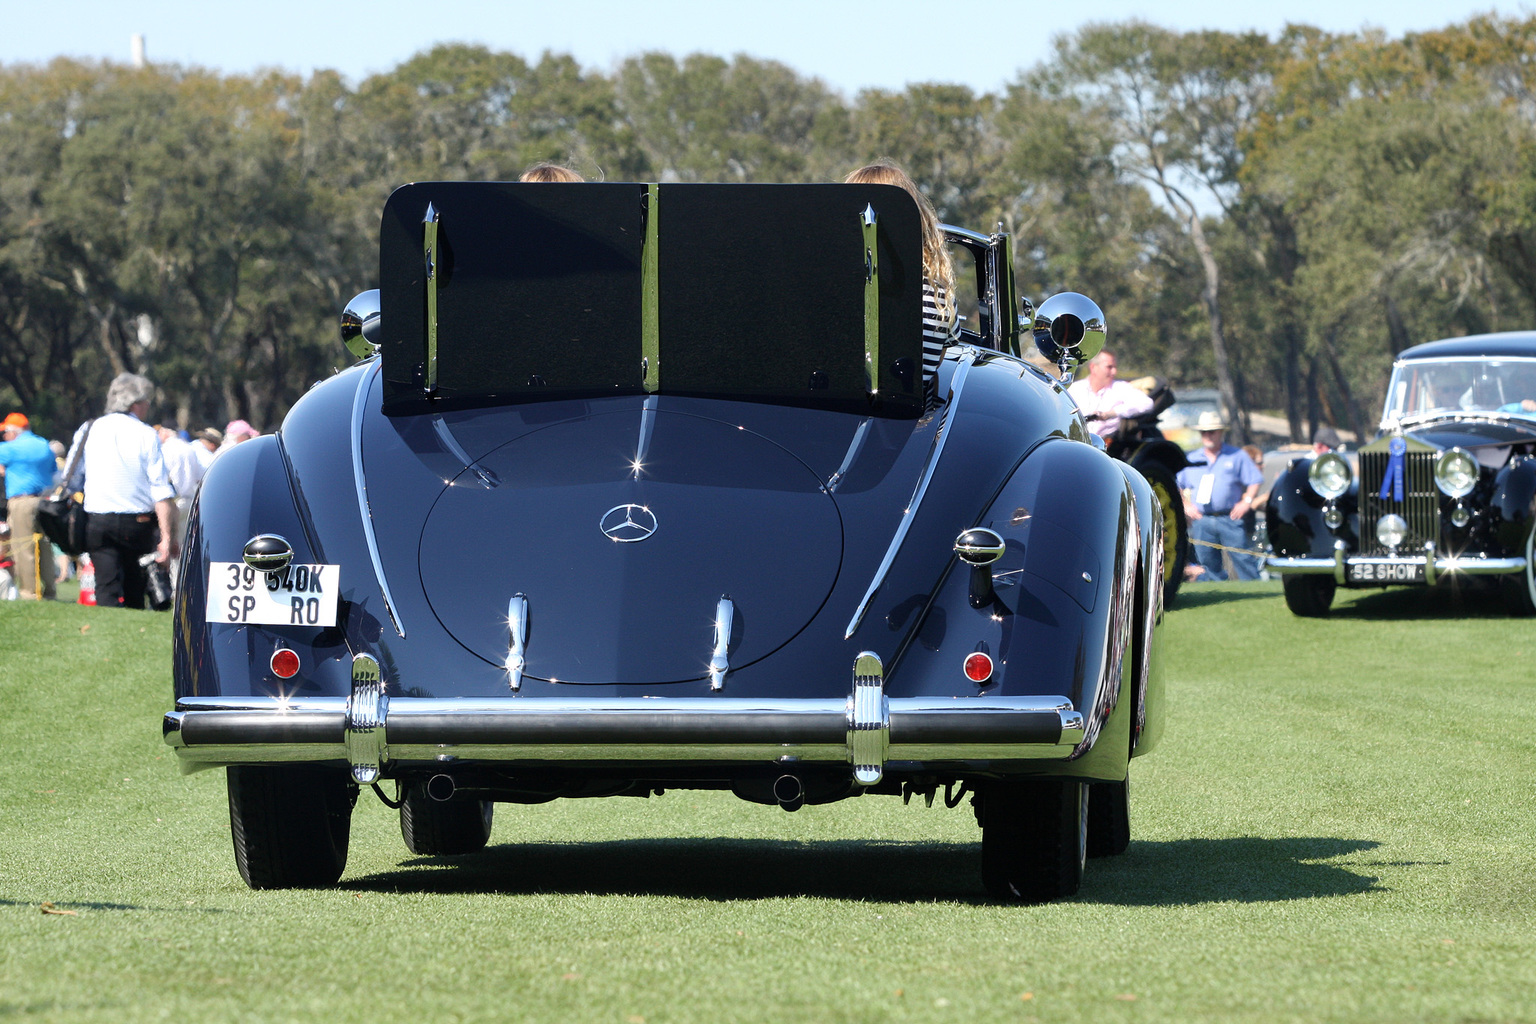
[
  {"x": 363, "y": 728},
  {"x": 489, "y": 480},
  {"x": 935, "y": 451},
  {"x": 212, "y": 731},
  {"x": 869, "y": 720},
  {"x": 359, "y": 407}
]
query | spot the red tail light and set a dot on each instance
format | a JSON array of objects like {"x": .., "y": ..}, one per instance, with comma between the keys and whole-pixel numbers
[
  {"x": 285, "y": 663},
  {"x": 978, "y": 667}
]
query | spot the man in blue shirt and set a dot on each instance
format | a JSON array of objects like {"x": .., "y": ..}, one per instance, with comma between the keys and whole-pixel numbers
[
  {"x": 29, "y": 468},
  {"x": 1219, "y": 487}
]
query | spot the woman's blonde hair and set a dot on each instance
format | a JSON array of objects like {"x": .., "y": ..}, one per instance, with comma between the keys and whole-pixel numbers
[
  {"x": 549, "y": 172},
  {"x": 937, "y": 266}
]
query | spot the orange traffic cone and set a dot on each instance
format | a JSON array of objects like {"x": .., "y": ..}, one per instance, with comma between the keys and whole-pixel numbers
[{"x": 87, "y": 580}]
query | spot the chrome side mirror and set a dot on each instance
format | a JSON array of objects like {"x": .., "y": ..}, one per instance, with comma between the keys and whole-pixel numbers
[
  {"x": 360, "y": 324},
  {"x": 1069, "y": 329}
]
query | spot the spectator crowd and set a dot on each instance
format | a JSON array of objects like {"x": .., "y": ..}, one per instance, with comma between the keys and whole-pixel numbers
[{"x": 136, "y": 480}]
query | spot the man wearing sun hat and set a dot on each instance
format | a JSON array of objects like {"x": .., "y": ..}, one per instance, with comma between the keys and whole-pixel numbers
[
  {"x": 1219, "y": 487},
  {"x": 29, "y": 468}
]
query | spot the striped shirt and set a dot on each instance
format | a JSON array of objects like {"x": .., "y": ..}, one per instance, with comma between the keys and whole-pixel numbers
[
  {"x": 123, "y": 469},
  {"x": 938, "y": 334}
]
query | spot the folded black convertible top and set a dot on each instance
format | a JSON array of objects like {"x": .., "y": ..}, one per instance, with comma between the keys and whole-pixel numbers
[{"x": 802, "y": 294}]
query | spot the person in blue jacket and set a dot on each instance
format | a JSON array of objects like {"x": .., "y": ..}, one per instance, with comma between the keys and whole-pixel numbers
[{"x": 29, "y": 468}]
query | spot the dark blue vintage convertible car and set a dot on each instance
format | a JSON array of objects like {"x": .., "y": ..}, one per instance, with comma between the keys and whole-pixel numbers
[
  {"x": 640, "y": 487},
  {"x": 1447, "y": 493}
]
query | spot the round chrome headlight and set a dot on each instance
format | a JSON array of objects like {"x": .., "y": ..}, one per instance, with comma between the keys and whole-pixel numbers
[
  {"x": 1329, "y": 475},
  {"x": 1456, "y": 472},
  {"x": 1390, "y": 530}
]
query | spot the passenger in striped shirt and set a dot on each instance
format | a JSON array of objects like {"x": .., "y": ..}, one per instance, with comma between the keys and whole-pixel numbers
[
  {"x": 128, "y": 493},
  {"x": 941, "y": 326}
]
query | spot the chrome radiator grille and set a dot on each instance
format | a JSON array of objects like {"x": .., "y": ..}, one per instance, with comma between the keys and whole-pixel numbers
[{"x": 1420, "y": 505}]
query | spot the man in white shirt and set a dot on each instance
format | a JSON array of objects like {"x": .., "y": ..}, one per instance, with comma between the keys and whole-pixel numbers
[
  {"x": 128, "y": 494},
  {"x": 1105, "y": 401}
]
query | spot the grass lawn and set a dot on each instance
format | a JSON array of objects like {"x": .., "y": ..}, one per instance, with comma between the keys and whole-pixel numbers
[{"x": 1339, "y": 826}]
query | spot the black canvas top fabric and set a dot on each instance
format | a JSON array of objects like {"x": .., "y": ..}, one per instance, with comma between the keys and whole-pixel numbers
[{"x": 760, "y": 293}]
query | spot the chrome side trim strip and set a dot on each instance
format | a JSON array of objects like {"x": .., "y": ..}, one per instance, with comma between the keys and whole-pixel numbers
[
  {"x": 517, "y": 626},
  {"x": 869, "y": 720},
  {"x": 935, "y": 452},
  {"x": 359, "y": 407},
  {"x": 719, "y": 662},
  {"x": 208, "y": 731},
  {"x": 367, "y": 710}
]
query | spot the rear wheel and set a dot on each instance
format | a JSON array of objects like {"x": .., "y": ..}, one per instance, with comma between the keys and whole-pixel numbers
[
  {"x": 1520, "y": 587},
  {"x": 1309, "y": 595},
  {"x": 1034, "y": 838},
  {"x": 1175, "y": 526},
  {"x": 1109, "y": 818},
  {"x": 439, "y": 828},
  {"x": 290, "y": 823}
]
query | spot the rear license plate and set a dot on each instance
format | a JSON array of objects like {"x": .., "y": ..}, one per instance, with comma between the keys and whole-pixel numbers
[
  {"x": 300, "y": 595},
  {"x": 1384, "y": 572}
]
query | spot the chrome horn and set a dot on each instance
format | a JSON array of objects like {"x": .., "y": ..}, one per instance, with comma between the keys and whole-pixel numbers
[
  {"x": 1069, "y": 330},
  {"x": 360, "y": 324}
]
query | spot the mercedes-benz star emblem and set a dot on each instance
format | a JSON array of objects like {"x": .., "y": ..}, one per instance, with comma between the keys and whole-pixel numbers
[{"x": 628, "y": 523}]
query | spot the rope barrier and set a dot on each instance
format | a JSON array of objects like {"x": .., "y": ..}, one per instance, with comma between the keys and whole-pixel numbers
[{"x": 1223, "y": 547}]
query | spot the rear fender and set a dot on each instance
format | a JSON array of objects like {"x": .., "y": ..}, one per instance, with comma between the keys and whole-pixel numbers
[
  {"x": 1061, "y": 619},
  {"x": 249, "y": 486}
]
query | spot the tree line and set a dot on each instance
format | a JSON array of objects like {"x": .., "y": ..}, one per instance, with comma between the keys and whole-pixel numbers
[{"x": 1273, "y": 216}]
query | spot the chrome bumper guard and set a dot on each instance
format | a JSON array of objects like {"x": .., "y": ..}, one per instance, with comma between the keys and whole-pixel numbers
[
  {"x": 867, "y": 730},
  {"x": 1338, "y": 565}
]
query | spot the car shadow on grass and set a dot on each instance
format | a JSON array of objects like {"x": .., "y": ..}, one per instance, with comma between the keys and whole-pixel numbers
[
  {"x": 1174, "y": 873},
  {"x": 1457, "y": 599},
  {"x": 1194, "y": 595}
]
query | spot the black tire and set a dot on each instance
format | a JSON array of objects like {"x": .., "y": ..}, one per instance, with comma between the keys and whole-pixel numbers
[
  {"x": 445, "y": 828},
  {"x": 1309, "y": 595},
  {"x": 1034, "y": 839},
  {"x": 1175, "y": 526},
  {"x": 1520, "y": 587},
  {"x": 291, "y": 824},
  {"x": 1109, "y": 818}
]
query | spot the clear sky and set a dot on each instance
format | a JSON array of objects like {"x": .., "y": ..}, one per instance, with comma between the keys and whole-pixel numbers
[{"x": 849, "y": 45}]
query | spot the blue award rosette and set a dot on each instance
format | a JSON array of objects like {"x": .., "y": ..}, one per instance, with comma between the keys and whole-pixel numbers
[{"x": 1392, "y": 482}]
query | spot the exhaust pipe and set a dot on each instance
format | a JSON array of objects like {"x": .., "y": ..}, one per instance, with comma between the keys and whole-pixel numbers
[
  {"x": 789, "y": 792},
  {"x": 441, "y": 787}
]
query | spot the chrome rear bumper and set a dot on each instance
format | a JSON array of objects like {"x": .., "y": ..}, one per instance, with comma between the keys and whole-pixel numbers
[{"x": 869, "y": 732}]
